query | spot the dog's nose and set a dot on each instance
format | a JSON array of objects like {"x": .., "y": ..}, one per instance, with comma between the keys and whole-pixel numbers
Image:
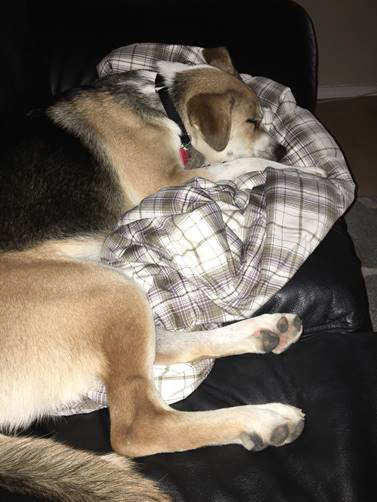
[{"x": 280, "y": 151}]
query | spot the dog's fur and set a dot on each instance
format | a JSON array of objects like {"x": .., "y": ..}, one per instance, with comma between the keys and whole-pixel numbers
[{"x": 67, "y": 321}]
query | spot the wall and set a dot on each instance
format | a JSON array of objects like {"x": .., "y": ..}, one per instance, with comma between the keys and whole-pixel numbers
[{"x": 347, "y": 43}]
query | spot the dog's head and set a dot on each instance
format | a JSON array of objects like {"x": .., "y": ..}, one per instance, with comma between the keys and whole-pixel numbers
[{"x": 221, "y": 113}]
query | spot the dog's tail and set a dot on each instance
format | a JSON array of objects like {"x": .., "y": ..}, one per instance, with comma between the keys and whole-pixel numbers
[{"x": 39, "y": 466}]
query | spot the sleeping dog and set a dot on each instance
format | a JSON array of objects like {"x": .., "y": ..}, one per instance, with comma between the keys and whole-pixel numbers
[{"x": 68, "y": 321}]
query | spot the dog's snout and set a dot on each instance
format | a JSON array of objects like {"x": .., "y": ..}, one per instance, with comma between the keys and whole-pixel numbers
[
  {"x": 267, "y": 147},
  {"x": 280, "y": 151}
]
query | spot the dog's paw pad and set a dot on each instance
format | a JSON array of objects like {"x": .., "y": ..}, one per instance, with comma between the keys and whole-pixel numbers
[
  {"x": 269, "y": 333},
  {"x": 271, "y": 424},
  {"x": 289, "y": 327},
  {"x": 270, "y": 340},
  {"x": 297, "y": 323},
  {"x": 297, "y": 430},
  {"x": 279, "y": 435},
  {"x": 291, "y": 426},
  {"x": 286, "y": 433},
  {"x": 283, "y": 325},
  {"x": 252, "y": 442}
]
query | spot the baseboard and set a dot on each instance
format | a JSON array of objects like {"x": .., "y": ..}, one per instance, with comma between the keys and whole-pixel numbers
[{"x": 345, "y": 91}]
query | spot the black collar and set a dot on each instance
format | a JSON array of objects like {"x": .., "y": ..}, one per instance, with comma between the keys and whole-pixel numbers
[{"x": 171, "y": 112}]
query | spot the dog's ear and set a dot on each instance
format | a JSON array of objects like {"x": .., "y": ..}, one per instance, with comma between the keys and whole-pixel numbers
[
  {"x": 220, "y": 58},
  {"x": 211, "y": 114}
]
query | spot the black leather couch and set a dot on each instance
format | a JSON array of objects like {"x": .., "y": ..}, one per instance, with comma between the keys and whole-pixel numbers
[{"x": 331, "y": 373}]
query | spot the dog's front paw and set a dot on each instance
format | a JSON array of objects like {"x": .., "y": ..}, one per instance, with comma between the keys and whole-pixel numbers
[
  {"x": 272, "y": 332},
  {"x": 289, "y": 330},
  {"x": 272, "y": 424}
]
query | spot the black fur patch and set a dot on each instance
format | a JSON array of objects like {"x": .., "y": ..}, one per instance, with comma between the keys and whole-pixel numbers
[{"x": 52, "y": 186}]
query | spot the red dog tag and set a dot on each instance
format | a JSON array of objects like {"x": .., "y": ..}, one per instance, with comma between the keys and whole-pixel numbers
[{"x": 184, "y": 154}]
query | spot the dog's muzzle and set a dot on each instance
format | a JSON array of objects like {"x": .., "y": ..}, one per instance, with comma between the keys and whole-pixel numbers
[{"x": 266, "y": 147}]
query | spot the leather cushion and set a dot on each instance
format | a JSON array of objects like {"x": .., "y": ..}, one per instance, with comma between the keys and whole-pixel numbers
[{"x": 334, "y": 458}]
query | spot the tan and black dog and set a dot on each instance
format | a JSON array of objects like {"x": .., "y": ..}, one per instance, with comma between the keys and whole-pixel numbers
[{"x": 66, "y": 321}]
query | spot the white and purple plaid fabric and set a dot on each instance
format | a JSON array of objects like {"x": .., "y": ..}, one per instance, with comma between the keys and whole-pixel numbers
[{"x": 210, "y": 253}]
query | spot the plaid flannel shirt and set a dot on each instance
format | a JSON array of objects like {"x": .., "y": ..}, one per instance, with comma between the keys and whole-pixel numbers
[{"x": 209, "y": 253}]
